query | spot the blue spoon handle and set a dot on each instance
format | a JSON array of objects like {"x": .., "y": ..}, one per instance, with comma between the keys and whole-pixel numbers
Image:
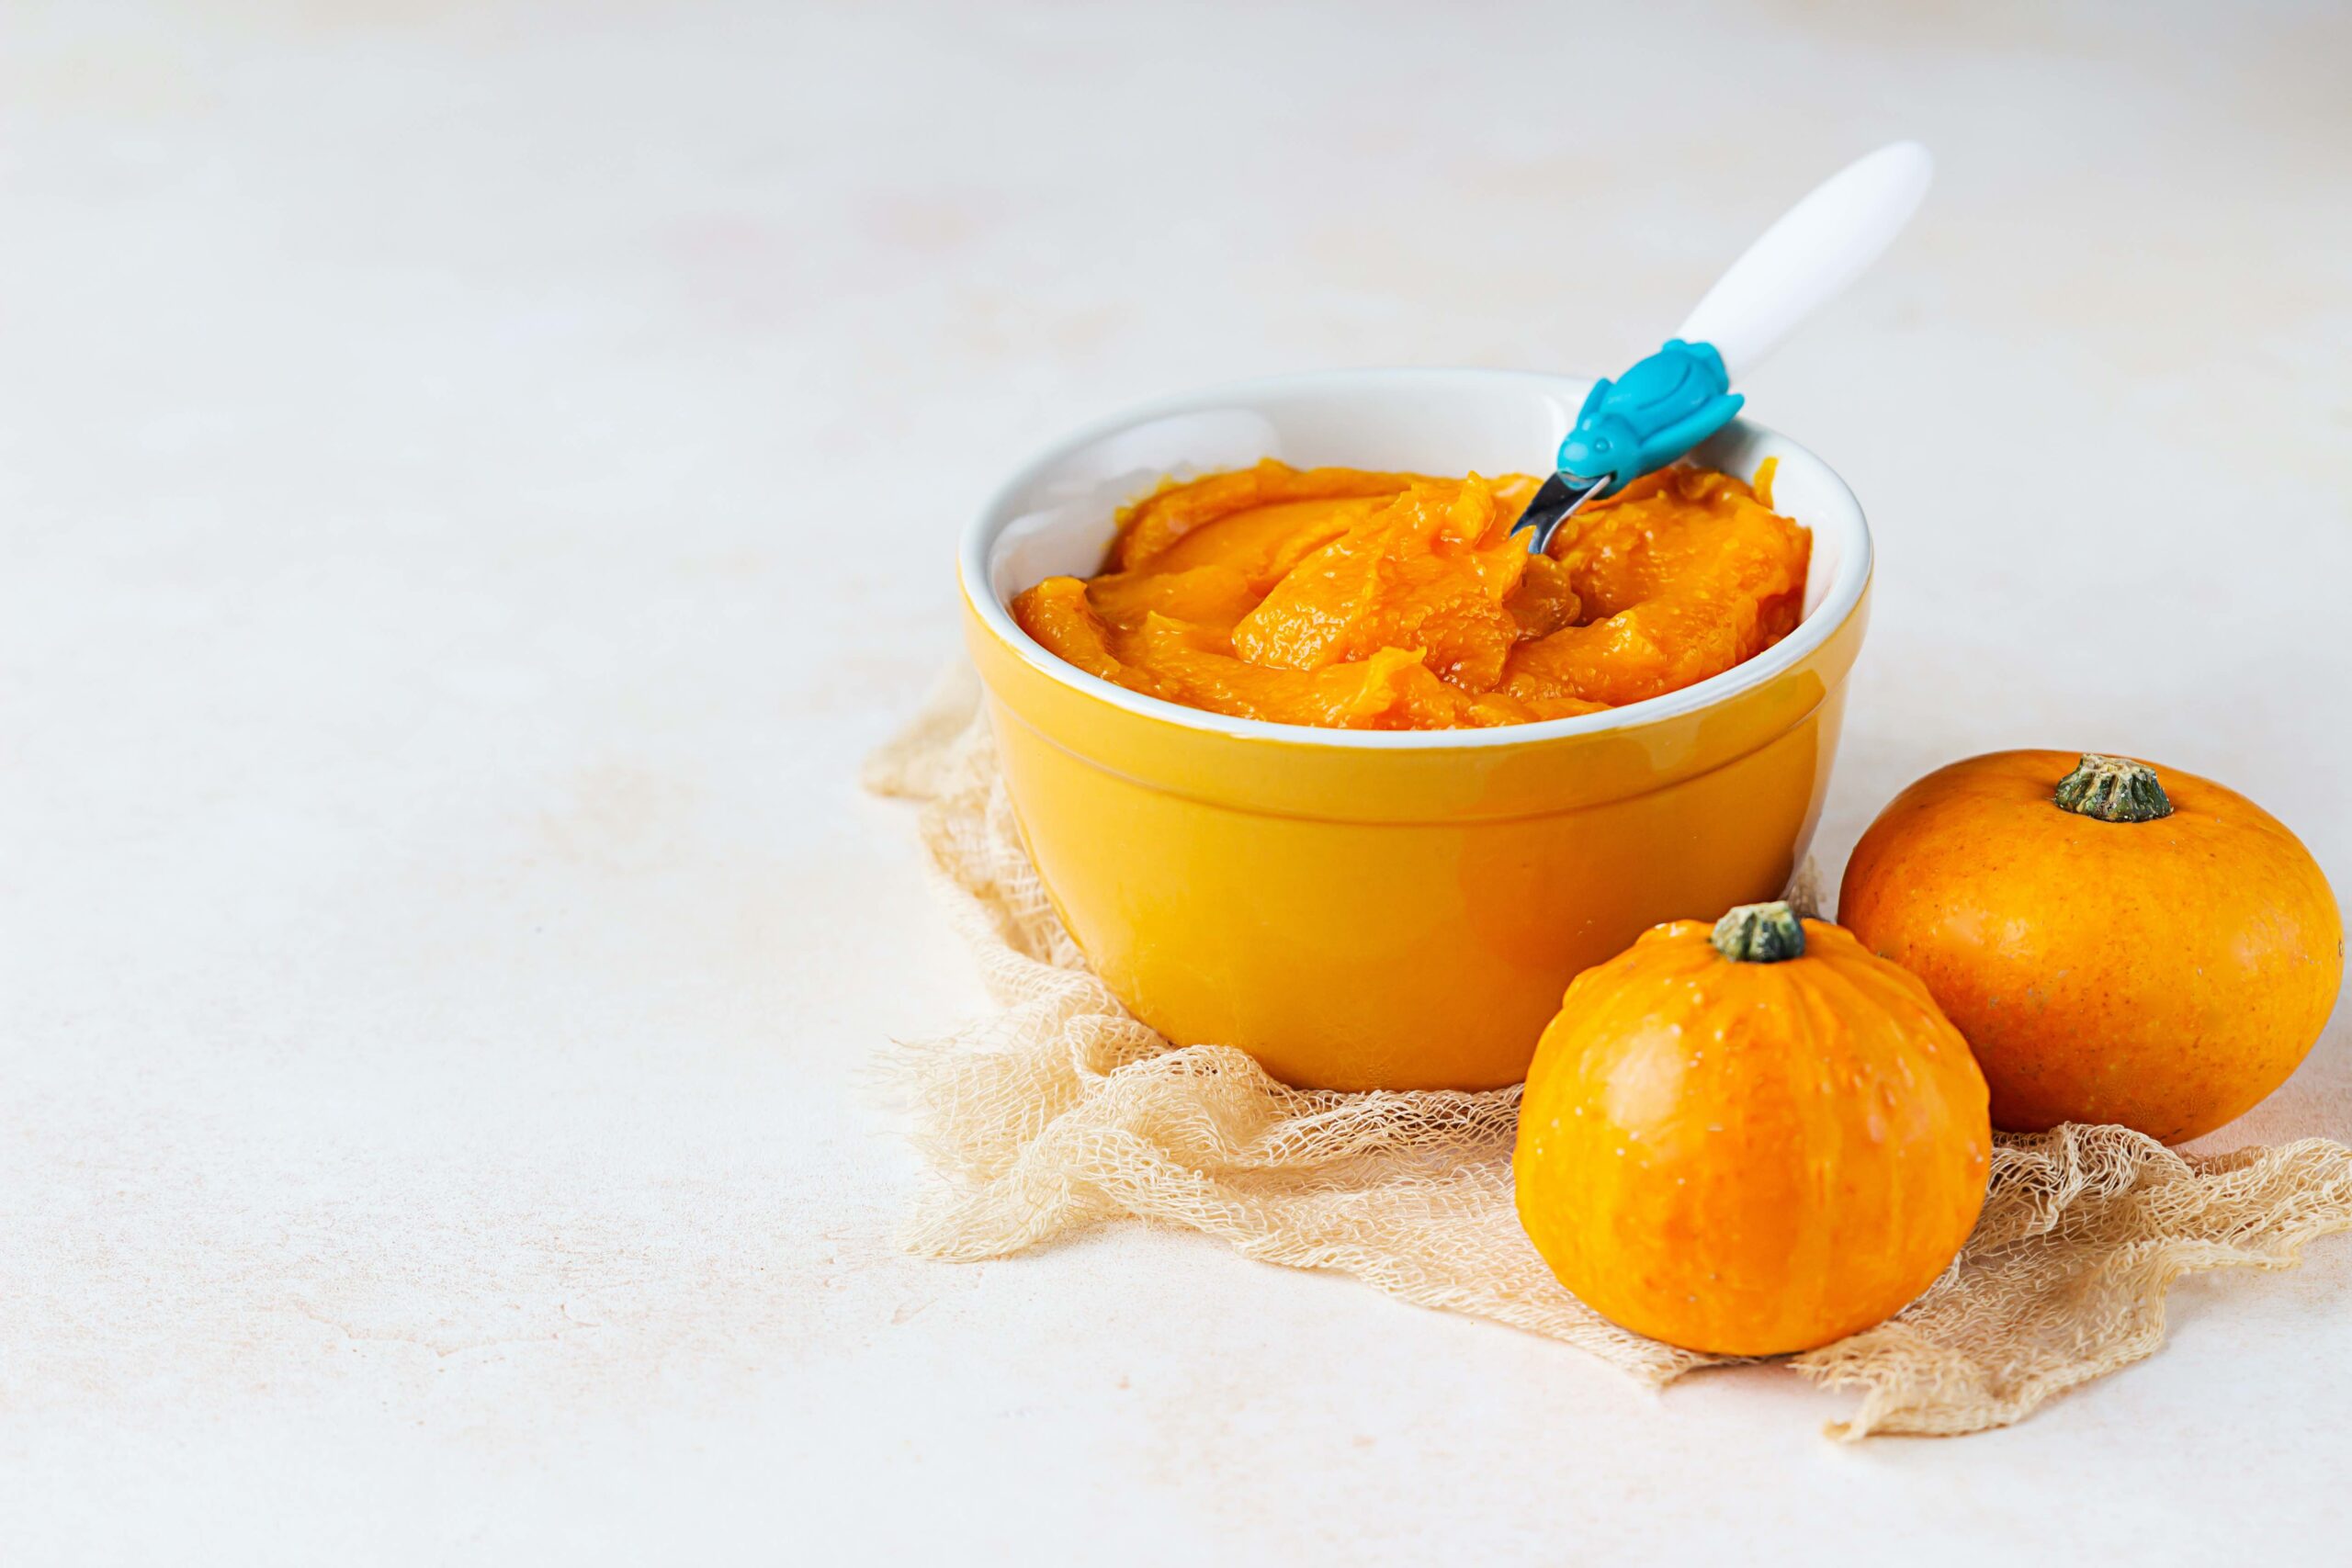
[
  {"x": 1678, "y": 397},
  {"x": 1649, "y": 416}
]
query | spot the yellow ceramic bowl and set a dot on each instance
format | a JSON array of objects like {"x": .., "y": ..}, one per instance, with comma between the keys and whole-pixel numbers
[{"x": 1377, "y": 910}]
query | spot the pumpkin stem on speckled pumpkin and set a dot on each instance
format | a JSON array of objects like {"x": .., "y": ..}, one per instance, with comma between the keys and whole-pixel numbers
[
  {"x": 2113, "y": 789},
  {"x": 1760, "y": 934}
]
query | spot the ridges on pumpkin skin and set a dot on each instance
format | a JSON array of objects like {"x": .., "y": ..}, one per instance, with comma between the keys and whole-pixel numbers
[
  {"x": 1749, "y": 1159},
  {"x": 1348, "y": 599}
]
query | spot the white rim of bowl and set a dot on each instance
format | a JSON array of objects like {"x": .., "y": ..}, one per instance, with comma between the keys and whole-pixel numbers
[{"x": 1838, "y": 603}]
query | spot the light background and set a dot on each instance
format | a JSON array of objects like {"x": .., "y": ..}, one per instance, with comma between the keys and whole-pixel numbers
[{"x": 474, "y": 479}]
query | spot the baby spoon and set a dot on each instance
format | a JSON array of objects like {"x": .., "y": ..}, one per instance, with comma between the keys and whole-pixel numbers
[{"x": 1680, "y": 395}]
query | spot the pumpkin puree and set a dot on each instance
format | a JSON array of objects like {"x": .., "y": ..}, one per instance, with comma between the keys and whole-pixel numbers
[{"x": 1368, "y": 600}]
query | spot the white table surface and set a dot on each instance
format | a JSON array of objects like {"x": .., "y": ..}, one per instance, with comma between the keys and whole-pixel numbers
[{"x": 475, "y": 479}]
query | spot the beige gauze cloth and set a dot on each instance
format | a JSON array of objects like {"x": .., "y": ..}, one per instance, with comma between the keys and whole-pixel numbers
[{"x": 1060, "y": 1110}]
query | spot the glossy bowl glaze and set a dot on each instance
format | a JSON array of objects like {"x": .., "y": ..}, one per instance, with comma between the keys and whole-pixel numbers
[{"x": 1389, "y": 910}]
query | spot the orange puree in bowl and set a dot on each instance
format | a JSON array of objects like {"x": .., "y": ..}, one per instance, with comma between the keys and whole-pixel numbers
[{"x": 1365, "y": 600}]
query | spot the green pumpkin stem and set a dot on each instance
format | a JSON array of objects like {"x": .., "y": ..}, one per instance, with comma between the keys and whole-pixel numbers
[
  {"x": 2113, "y": 789},
  {"x": 1760, "y": 934}
]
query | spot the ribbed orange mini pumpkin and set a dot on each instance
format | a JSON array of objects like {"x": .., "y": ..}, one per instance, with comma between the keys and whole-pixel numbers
[
  {"x": 2119, "y": 942},
  {"x": 1750, "y": 1140}
]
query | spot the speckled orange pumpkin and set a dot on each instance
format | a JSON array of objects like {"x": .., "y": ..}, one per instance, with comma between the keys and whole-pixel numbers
[
  {"x": 2119, "y": 942},
  {"x": 1751, "y": 1140}
]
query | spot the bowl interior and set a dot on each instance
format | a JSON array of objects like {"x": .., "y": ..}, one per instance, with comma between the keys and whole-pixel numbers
[{"x": 1057, "y": 515}]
